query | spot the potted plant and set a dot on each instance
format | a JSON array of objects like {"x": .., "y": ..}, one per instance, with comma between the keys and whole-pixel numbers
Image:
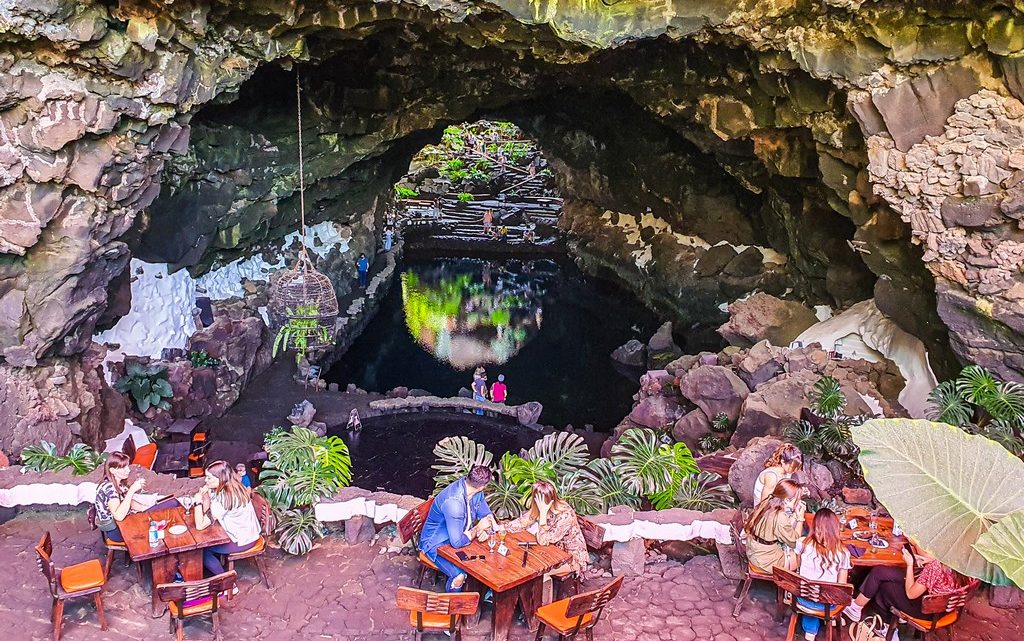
[{"x": 303, "y": 330}]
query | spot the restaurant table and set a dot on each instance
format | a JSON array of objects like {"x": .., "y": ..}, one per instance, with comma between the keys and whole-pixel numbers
[
  {"x": 175, "y": 553},
  {"x": 891, "y": 556},
  {"x": 511, "y": 581}
]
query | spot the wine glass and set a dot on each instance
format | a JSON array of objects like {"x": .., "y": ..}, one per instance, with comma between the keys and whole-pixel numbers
[
  {"x": 873, "y": 521},
  {"x": 842, "y": 519},
  {"x": 492, "y": 542}
]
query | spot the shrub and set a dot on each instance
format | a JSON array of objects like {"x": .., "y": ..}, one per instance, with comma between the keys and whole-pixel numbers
[
  {"x": 81, "y": 458},
  {"x": 203, "y": 359},
  {"x": 465, "y": 197},
  {"x": 147, "y": 385},
  {"x": 405, "y": 192}
]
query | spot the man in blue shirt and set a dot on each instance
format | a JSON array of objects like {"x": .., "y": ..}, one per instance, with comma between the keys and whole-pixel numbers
[
  {"x": 450, "y": 521},
  {"x": 363, "y": 267}
]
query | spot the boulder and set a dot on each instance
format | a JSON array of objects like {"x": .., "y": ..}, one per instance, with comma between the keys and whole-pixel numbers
[
  {"x": 359, "y": 529},
  {"x": 693, "y": 425},
  {"x": 760, "y": 364},
  {"x": 628, "y": 558},
  {"x": 857, "y": 495},
  {"x": 302, "y": 414},
  {"x": 655, "y": 412},
  {"x": 529, "y": 413},
  {"x": 773, "y": 406},
  {"x": 749, "y": 262},
  {"x": 680, "y": 366},
  {"x": 714, "y": 260},
  {"x": 817, "y": 478},
  {"x": 714, "y": 389},
  {"x": 763, "y": 316},
  {"x": 633, "y": 353},
  {"x": 749, "y": 464},
  {"x": 662, "y": 349}
]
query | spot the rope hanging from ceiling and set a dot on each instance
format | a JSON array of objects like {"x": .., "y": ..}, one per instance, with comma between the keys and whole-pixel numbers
[{"x": 302, "y": 293}]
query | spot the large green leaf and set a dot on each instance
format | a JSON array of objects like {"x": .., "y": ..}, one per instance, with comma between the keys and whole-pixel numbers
[
  {"x": 643, "y": 463},
  {"x": 1003, "y": 545},
  {"x": 945, "y": 487},
  {"x": 456, "y": 455},
  {"x": 564, "y": 450}
]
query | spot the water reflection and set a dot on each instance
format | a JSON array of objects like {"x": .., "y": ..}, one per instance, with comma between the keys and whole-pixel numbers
[{"x": 474, "y": 312}]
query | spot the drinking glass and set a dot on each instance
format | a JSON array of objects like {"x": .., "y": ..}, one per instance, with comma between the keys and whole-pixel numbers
[
  {"x": 842, "y": 519},
  {"x": 873, "y": 521},
  {"x": 492, "y": 542}
]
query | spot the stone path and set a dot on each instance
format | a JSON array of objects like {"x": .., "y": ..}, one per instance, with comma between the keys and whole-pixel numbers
[{"x": 347, "y": 593}]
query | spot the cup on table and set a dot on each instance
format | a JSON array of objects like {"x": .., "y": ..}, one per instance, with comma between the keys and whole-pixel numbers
[{"x": 873, "y": 521}]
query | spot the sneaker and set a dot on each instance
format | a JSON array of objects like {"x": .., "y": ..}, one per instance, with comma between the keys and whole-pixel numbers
[
  {"x": 853, "y": 612},
  {"x": 810, "y": 636}
]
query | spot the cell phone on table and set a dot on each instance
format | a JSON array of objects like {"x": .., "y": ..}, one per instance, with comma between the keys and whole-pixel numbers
[{"x": 462, "y": 555}]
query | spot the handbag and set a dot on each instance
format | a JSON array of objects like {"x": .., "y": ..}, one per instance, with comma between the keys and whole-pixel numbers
[{"x": 864, "y": 630}]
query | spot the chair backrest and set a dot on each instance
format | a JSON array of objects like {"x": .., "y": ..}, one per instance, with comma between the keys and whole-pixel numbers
[
  {"x": 264, "y": 514},
  {"x": 44, "y": 552},
  {"x": 452, "y": 604},
  {"x": 952, "y": 602},
  {"x": 817, "y": 591},
  {"x": 592, "y": 602},
  {"x": 128, "y": 448},
  {"x": 593, "y": 534},
  {"x": 411, "y": 524},
  {"x": 182, "y": 592},
  {"x": 735, "y": 530},
  {"x": 90, "y": 516}
]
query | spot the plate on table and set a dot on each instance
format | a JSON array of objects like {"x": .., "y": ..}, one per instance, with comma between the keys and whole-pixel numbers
[
  {"x": 862, "y": 535},
  {"x": 177, "y": 530}
]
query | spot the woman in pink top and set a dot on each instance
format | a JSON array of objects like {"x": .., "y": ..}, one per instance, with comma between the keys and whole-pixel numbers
[{"x": 498, "y": 391}]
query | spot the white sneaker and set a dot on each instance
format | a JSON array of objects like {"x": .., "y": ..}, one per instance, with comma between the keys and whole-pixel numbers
[
  {"x": 809, "y": 636},
  {"x": 853, "y": 612}
]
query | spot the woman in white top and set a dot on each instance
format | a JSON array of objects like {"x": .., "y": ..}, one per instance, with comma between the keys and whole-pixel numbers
[
  {"x": 782, "y": 464},
  {"x": 229, "y": 503},
  {"x": 823, "y": 557}
]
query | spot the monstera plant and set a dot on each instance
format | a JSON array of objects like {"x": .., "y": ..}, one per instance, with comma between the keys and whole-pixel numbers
[
  {"x": 958, "y": 495},
  {"x": 979, "y": 403}
]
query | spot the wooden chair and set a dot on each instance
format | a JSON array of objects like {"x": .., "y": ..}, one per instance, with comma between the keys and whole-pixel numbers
[
  {"x": 942, "y": 611},
  {"x": 143, "y": 456},
  {"x": 71, "y": 582},
  {"x": 437, "y": 612},
  {"x": 409, "y": 528},
  {"x": 266, "y": 519},
  {"x": 833, "y": 597},
  {"x": 576, "y": 614},
  {"x": 113, "y": 547},
  {"x": 750, "y": 572},
  {"x": 195, "y": 598}
]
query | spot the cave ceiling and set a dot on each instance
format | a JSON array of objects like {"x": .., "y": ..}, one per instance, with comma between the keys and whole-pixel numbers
[{"x": 852, "y": 137}]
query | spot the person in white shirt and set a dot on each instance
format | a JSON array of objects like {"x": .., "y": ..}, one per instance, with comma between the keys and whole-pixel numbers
[
  {"x": 225, "y": 500},
  {"x": 823, "y": 557}
]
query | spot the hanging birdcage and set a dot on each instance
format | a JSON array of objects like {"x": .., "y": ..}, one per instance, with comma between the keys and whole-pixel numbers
[{"x": 303, "y": 305}]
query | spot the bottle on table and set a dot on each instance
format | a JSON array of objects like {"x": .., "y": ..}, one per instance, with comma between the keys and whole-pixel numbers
[{"x": 154, "y": 536}]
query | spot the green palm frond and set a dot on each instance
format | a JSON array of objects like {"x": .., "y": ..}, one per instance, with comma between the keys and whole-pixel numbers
[
  {"x": 976, "y": 384},
  {"x": 1006, "y": 434},
  {"x": 504, "y": 497},
  {"x": 947, "y": 405},
  {"x": 1007, "y": 403},
  {"x": 704, "y": 492},
  {"x": 565, "y": 451},
  {"x": 298, "y": 531},
  {"x": 643, "y": 463},
  {"x": 456, "y": 455},
  {"x": 827, "y": 397},
  {"x": 805, "y": 437},
  {"x": 610, "y": 488},
  {"x": 835, "y": 436},
  {"x": 580, "y": 492}
]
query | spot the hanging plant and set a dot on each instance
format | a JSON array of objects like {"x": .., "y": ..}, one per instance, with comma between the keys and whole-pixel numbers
[{"x": 301, "y": 332}]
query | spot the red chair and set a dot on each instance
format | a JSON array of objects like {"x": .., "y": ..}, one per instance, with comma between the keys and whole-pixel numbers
[
  {"x": 409, "y": 528},
  {"x": 80, "y": 580},
  {"x": 436, "y": 612},
  {"x": 942, "y": 612},
  {"x": 143, "y": 456},
  {"x": 833, "y": 597},
  {"x": 576, "y": 614}
]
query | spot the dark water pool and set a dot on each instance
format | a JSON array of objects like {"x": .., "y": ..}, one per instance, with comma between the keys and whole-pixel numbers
[
  {"x": 382, "y": 458},
  {"x": 541, "y": 323}
]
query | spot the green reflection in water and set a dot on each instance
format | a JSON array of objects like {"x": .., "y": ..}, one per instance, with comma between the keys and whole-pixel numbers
[{"x": 471, "y": 319}]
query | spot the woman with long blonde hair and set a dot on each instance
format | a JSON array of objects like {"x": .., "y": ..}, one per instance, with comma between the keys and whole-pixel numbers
[
  {"x": 224, "y": 499},
  {"x": 823, "y": 557},
  {"x": 556, "y": 525},
  {"x": 782, "y": 464},
  {"x": 774, "y": 527}
]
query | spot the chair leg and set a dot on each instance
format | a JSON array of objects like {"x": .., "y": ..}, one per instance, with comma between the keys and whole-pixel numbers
[
  {"x": 744, "y": 588},
  {"x": 893, "y": 622},
  {"x": 98, "y": 598},
  {"x": 792, "y": 627},
  {"x": 262, "y": 567},
  {"x": 58, "y": 619},
  {"x": 179, "y": 630},
  {"x": 216, "y": 626},
  {"x": 590, "y": 634},
  {"x": 419, "y": 576},
  {"x": 780, "y": 605},
  {"x": 110, "y": 560},
  {"x": 540, "y": 632}
]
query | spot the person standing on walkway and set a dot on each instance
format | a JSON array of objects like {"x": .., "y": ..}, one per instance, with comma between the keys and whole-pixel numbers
[
  {"x": 503, "y": 234},
  {"x": 450, "y": 521},
  {"x": 498, "y": 391},
  {"x": 480, "y": 386},
  {"x": 363, "y": 267},
  {"x": 488, "y": 221},
  {"x": 389, "y": 238}
]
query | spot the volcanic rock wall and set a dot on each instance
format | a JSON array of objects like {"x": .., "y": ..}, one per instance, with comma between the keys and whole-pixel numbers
[{"x": 762, "y": 116}]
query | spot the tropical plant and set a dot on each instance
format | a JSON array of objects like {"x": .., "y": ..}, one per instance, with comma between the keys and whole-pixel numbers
[
  {"x": 301, "y": 330},
  {"x": 703, "y": 491},
  {"x": 948, "y": 490},
  {"x": 301, "y": 470},
  {"x": 456, "y": 456},
  {"x": 147, "y": 385},
  {"x": 611, "y": 489},
  {"x": 645, "y": 464},
  {"x": 828, "y": 434},
  {"x": 718, "y": 438},
  {"x": 979, "y": 403},
  {"x": 80, "y": 459},
  {"x": 203, "y": 359},
  {"x": 465, "y": 197},
  {"x": 405, "y": 192}
]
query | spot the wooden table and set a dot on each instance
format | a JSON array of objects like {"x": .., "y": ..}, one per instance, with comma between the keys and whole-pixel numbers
[
  {"x": 175, "y": 553},
  {"x": 511, "y": 581},
  {"x": 890, "y": 556}
]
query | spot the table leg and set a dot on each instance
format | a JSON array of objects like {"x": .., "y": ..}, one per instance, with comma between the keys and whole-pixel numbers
[
  {"x": 162, "y": 571},
  {"x": 504, "y": 610},
  {"x": 473, "y": 585},
  {"x": 531, "y": 595}
]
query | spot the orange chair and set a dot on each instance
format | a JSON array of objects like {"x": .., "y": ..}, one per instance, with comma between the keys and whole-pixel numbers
[
  {"x": 751, "y": 572},
  {"x": 833, "y": 597},
  {"x": 437, "y": 612},
  {"x": 942, "y": 610},
  {"x": 576, "y": 614},
  {"x": 143, "y": 456},
  {"x": 199, "y": 445},
  {"x": 266, "y": 519},
  {"x": 193, "y": 599},
  {"x": 409, "y": 528},
  {"x": 79, "y": 580}
]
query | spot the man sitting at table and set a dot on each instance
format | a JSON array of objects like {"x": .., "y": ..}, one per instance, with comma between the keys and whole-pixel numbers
[{"x": 450, "y": 521}]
